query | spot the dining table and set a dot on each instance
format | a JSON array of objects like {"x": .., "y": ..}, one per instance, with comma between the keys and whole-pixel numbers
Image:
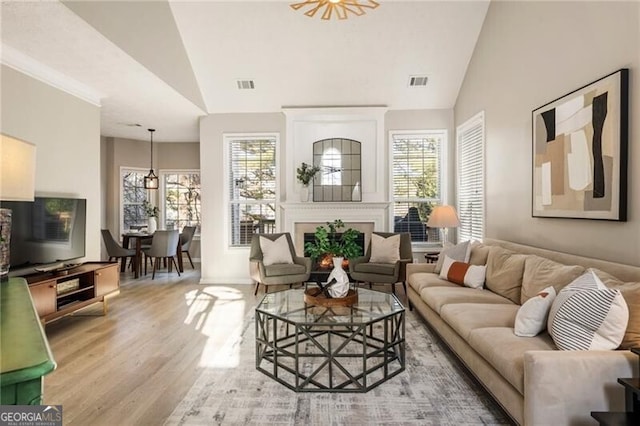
[{"x": 137, "y": 239}]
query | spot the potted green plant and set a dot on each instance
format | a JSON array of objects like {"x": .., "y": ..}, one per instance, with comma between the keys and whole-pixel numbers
[
  {"x": 305, "y": 173},
  {"x": 327, "y": 241}
]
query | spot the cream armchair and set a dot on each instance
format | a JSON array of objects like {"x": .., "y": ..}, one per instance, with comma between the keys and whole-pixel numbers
[{"x": 276, "y": 273}]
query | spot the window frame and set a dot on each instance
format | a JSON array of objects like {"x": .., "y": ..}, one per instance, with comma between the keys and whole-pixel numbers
[
  {"x": 443, "y": 173},
  {"x": 475, "y": 121},
  {"x": 163, "y": 191},
  {"x": 228, "y": 138},
  {"x": 123, "y": 171}
]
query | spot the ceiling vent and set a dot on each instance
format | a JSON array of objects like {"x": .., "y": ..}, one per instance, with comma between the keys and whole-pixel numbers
[
  {"x": 246, "y": 84},
  {"x": 418, "y": 80}
]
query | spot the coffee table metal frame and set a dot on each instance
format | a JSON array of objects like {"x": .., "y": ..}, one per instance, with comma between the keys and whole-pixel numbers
[{"x": 291, "y": 334}]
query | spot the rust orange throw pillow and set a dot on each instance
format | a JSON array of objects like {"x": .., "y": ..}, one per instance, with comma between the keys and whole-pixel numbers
[{"x": 463, "y": 273}]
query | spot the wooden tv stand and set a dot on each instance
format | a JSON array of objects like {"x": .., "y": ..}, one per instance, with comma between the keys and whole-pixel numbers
[{"x": 60, "y": 293}]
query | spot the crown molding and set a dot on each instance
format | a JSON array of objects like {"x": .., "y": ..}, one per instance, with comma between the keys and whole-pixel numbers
[{"x": 35, "y": 69}]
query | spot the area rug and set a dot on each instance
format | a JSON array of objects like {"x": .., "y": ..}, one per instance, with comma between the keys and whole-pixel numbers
[{"x": 433, "y": 390}]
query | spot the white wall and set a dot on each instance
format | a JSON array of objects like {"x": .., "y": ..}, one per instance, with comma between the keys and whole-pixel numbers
[
  {"x": 223, "y": 264},
  {"x": 220, "y": 263},
  {"x": 530, "y": 53},
  {"x": 66, "y": 132}
]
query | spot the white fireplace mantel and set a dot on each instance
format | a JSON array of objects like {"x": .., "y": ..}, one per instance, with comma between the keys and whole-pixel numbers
[{"x": 292, "y": 213}]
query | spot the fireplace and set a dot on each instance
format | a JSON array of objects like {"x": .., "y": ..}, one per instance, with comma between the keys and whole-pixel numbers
[{"x": 325, "y": 262}]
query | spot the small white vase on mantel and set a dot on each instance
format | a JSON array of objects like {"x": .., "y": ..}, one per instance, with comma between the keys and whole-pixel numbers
[
  {"x": 152, "y": 225},
  {"x": 304, "y": 193}
]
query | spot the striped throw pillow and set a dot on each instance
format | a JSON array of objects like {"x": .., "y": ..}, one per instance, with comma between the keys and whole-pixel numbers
[{"x": 586, "y": 315}]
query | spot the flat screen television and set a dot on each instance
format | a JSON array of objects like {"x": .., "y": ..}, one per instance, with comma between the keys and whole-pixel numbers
[{"x": 45, "y": 231}]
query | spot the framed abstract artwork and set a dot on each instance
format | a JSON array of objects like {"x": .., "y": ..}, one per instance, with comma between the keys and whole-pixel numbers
[{"x": 580, "y": 152}]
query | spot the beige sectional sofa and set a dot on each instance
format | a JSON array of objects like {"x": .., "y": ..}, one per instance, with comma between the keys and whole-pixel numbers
[{"x": 534, "y": 381}]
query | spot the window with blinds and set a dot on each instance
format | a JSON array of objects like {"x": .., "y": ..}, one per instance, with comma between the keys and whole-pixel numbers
[
  {"x": 181, "y": 195},
  {"x": 470, "y": 196},
  {"x": 132, "y": 195},
  {"x": 252, "y": 186},
  {"x": 417, "y": 181}
]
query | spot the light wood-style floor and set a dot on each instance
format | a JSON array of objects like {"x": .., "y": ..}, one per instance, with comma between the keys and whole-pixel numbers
[{"x": 134, "y": 365}]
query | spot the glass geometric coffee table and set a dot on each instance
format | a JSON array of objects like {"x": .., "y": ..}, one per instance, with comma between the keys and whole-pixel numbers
[{"x": 330, "y": 349}]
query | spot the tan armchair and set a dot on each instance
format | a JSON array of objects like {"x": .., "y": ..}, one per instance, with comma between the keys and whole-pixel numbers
[
  {"x": 279, "y": 273},
  {"x": 362, "y": 270}
]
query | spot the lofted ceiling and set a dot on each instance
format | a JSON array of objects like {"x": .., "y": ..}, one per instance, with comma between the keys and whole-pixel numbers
[{"x": 164, "y": 64}]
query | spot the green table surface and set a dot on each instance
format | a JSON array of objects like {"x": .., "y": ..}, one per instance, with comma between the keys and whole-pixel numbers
[{"x": 24, "y": 350}]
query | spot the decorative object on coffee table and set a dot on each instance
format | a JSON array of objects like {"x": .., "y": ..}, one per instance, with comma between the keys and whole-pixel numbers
[
  {"x": 341, "y": 286},
  {"x": 329, "y": 242}
]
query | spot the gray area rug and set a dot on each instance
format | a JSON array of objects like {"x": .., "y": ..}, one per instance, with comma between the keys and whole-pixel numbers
[{"x": 433, "y": 390}]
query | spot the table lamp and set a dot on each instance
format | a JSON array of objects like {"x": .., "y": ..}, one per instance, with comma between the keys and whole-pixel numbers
[
  {"x": 17, "y": 183},
  {"x": 443, "y": 217}
]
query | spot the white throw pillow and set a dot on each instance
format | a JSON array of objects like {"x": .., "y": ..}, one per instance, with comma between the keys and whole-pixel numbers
[
  {"x": 276, "y": 251},
  {"x": 459, "y": 252},
  {"x": 531, "y": 318},
  {"x": 385, "y": 250},
  {"x": 586, "y": 315},
  {"x": 463, "y": 273}
]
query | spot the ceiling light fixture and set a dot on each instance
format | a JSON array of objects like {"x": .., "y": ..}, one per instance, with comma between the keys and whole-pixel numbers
[
  {"x": 151, "y": 180},
  {"x": 339, "y": 8}
]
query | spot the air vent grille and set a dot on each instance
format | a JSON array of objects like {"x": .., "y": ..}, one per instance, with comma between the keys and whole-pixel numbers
[
  {"x": 246, "y": 84},
  {"x": 418, "y": 80}
]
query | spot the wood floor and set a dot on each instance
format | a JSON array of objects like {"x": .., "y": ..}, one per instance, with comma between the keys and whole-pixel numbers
[{"x": 134, "y": 365}]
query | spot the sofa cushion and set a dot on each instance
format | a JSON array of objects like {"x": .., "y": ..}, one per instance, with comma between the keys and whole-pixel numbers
[
  {"x": 586, "y": 315},
  {"x": 631, "y": 293},
  {"x": 465, "y": 317},
  {"x": 385, "y": 250},
  {"x": 437, "y": 297},
  {"x": 459, "y": 252},
  {"x": 462, "y": 273},
  {"x": 505, "y": 351},
  {"x": 540, "y": 272},
  {"x": 504, "y": 272},
  {"x": 479, "y": 253},
  {"x": 420, "y": 280},
  {"x": 531, "y": 319},
  {"x": 279, "y": 269},
  {"x": 376, "y": 268}
]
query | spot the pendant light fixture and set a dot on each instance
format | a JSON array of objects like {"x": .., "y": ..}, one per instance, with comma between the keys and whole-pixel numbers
[{"x": 151, "y": 180}]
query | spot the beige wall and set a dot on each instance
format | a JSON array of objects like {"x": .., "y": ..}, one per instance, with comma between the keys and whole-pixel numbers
[
  {"x": 130, "y": 153},
  {"x": 530, "y": 53},
  {"x": 66, "y": 131}
]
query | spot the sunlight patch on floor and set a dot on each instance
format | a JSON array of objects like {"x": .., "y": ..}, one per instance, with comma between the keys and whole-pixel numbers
[{"x": 218, "y": 313}]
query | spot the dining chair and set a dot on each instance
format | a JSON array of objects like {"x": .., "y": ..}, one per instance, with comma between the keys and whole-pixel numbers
[
  {"x": 115, "y": 250},
  {"x": 186, "y": 237},
  {"x": 163, "y": 246}
]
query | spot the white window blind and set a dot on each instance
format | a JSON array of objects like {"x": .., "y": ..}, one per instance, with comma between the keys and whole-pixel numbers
[
  {"x": 417, "y": 181},
  {"x": 470, "y": 195},
  {"x": 252, "y": 186}
]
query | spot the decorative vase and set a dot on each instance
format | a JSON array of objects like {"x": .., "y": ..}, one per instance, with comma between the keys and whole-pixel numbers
[
  {"x": 304, "y": 193},
  {"x": 152, "y": 225},
  {"x": 355, "y": 194},
  {"x": 341, "y": 287}
]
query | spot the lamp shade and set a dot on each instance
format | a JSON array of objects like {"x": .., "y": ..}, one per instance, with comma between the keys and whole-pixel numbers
[
  {"x": 443, "y": 217},
  {"x": 17, "y": 169}
]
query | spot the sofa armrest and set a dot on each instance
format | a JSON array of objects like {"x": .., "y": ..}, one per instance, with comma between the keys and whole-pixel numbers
[
  {"x": 563, "y": 387},
  {"x": 413, "y": 268}
]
